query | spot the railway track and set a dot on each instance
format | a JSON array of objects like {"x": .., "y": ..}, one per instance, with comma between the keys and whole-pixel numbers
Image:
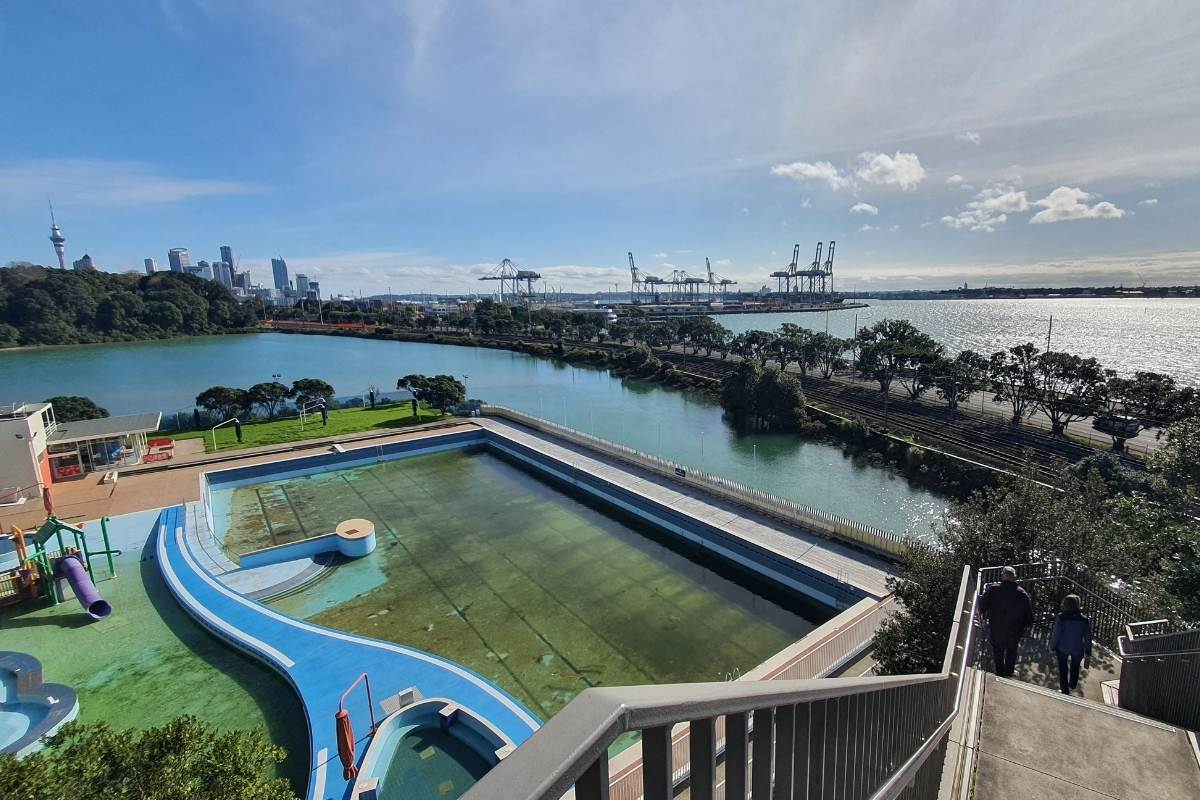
[{"x": 992, "y": 443}]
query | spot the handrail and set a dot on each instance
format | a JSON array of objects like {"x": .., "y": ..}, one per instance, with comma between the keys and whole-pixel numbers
[
  {"x": 886, "y": 543},
  {"x": 572, "y": 748},
  {"x": 213, "y": 431}
]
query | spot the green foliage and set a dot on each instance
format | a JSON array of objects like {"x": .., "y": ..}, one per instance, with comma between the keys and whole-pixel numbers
[
  {"x": 311, "y": 390},
  {"x": 893, "y": 349},
  {"x": 70, "y": 408},
  {"x": 224, "y": 401},
  {"x": 182, "y": 760},
  {"x": 53, "y": 306},
  {"x": 959, "y": 378},
  {"x": 1113, "y": 528},
  {"x": 1071, "y": 387},
  {"x": 269, "y": 395},
  {"x": 1012, "y": 374},
  {"x": 763, "y": 398},
  {"x": 439, "y": 391}
]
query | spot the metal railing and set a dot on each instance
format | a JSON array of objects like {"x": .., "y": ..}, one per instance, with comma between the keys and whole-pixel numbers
[
  {"x": 1160, "y": 674},
  {"x": 855, "y": 738},
  {"x": 1048, "y": 582},
  {"x": 804, "y": 660},
  {"x": 877, "y": 540}
]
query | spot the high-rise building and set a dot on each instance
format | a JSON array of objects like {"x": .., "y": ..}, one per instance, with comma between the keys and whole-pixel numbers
[
  {"x": 314, "y": 290},
  {"x": 279, "y": 272},
  {"x": 227, "y": 255},
  {"x": 301, "y": 284},
  {"x": 203, "y": 269},
  {"x": 57, "y": 239},
  {"x": 151, "y": 267},
  {"x": 222, "y": 274},
  {"x": 84, "y": 263},
  {"x": 178, "y": 258}
]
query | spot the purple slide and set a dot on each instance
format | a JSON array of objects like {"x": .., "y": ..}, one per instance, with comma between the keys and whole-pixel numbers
[{"x": 71, "y": 568}]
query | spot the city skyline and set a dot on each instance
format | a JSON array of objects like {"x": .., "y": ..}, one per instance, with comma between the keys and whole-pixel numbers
[{"x": 996, "y": 145}]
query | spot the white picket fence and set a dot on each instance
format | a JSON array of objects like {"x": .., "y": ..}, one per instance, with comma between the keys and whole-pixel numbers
[{"x": 814, "y": 519}]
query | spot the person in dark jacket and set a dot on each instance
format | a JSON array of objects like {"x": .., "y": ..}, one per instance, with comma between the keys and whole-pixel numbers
[
  {"x": 1009, "y": 612},
  {"x": 1072, "y": 642}
]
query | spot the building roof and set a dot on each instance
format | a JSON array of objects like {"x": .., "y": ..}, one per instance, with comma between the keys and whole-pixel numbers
[{"x": 106, "y": 427}]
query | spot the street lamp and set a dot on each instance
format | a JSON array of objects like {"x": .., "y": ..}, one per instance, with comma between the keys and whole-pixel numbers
[{"x": 754, "y": 468}]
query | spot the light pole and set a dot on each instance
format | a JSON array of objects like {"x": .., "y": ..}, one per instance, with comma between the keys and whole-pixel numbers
[
  {"x": 702, "y": 446},
  {"x": 754, "y": 468}
]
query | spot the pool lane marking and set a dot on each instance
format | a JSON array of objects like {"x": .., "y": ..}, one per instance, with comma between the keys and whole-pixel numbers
[
  {"x": 532, "y": 723},
  {"x": 460, "y": 611},
  {"x": 198, "y": 608},
  {"x": 318, "y": 783},
  {"x": 454, "y": 515}
]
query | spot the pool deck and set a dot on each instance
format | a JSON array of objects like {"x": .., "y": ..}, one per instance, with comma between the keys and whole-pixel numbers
[
  {"x": 866, "y": 573},
  {"x": 321, "y": 663}
]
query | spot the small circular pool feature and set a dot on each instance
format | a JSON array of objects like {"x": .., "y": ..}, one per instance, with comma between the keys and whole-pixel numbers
[
  {"x": 356, "y": 537},
  {"x": 431, "y": 763}
]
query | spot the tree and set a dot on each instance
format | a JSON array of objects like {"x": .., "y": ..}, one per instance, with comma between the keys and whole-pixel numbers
[
  {"x": 1147, "y": 400},
  {"x": 312, "y": 390},
  {"x": 1072, "y": 388},
  {"x": 1177, "y": 463},
  {"x": 828, "y": 353},
  {"x": 439, "y": 391},
  {"x": 182, "y": 760},
  {"x": 224, "y": 401},
  {"x": 894, "y": 348},
  {"x": 269, "y": 395},
  {"x": 959, "y": 378},
  {"x": 71, "y": 408},
  {"x": 793, "y": 345},
  {"x": 763, "y": 398},
  {"x": 1013, "y": 376}
]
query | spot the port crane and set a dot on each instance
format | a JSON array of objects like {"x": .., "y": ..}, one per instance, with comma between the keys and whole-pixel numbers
[
  {"x": 715, "y": 280},
  {"x": 642, "y": 284},
  {"x": 517, "y": 282}
]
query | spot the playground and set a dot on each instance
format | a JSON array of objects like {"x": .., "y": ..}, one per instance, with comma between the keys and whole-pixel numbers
[{"x": 127, "y": 667}]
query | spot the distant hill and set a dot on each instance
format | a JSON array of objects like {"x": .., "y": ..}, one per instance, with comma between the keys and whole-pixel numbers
[{"x": 41, "y": 305}]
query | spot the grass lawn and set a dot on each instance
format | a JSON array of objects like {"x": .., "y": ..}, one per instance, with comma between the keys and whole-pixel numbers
[{"x": 341, "y": 421}]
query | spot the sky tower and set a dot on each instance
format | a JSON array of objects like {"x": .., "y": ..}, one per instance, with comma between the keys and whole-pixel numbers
[{"x": 57, "y": 239}]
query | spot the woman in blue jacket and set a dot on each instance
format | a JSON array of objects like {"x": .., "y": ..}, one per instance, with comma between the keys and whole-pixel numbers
[{"x": 1071, "y": 642}]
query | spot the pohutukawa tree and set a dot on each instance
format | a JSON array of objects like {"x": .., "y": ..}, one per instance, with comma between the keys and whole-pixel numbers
[
  {"x": 1013, "y": 376},
  {"x": 958, "y": 378},
  {"x": 1072, "y": 388}
]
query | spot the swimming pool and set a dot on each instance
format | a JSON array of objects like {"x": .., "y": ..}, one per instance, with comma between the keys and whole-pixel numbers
[{"x": 542, "y": 591}]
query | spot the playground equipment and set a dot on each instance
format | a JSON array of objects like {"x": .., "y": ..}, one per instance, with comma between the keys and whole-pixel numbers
[{"x": 40, "y": 573}]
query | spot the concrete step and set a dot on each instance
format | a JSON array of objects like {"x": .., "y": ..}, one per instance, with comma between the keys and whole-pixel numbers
[{"x": 1037, "y": 743}]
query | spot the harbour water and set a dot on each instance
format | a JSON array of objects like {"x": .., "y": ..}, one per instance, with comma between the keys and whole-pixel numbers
[
  {"x": 1124, "y": 334},
  {"x": 166, "y": 376}
]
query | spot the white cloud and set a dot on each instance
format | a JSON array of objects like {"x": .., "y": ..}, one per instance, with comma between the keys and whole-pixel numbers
[
  {"x": 1149, "y": 202},
  {"x": 956, "y": 180},
  {"x": 969, "y": 136},
  {"x": 927, "y": 224},
  {"x": 745, "y": 210},
  {"x": 723, "y": 262},
  {"x": 894, "y": 228},
  {"x": 902, "y": 169},
  {"x": 103, "y": 183},
  {"x": 823, "y": 171},
  {"x": 660, "y": 255},
  {"x": 806, "y": 202},
  {"x": 864, "y": 208},
  {"x": 865, "y": 228},
  {"x": 1069, "y": 203},
  {"x": 989, "y": 209}
]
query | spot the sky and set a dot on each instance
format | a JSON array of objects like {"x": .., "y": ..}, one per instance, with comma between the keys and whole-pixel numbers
[{"x": 412, "y": 146}]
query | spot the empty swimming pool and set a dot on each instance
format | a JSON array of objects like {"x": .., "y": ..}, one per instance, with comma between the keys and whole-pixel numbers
[{"x": 541, "y": 591}]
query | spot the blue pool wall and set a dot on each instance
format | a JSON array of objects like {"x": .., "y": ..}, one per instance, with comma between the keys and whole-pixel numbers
[{"x": 825, "y": 589}]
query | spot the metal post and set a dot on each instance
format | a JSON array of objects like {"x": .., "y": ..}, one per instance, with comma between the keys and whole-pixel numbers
[{"x": 107, "y": 547}]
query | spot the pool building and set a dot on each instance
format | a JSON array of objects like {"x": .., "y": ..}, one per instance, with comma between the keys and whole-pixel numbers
[{"x": 432, "y": 599}]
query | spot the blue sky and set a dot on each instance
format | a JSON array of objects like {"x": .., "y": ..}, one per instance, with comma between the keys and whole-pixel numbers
[{"x": 415, "y": 145}]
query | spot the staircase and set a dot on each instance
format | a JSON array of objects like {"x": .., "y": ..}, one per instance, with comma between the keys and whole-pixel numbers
[{"x": 1035, "y": 743}]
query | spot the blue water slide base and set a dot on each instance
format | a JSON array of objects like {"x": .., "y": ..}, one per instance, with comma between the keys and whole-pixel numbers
[{"x": 320, "y": 663}]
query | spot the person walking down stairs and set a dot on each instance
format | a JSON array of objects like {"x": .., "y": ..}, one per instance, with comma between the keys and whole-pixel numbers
[
  {"x": 1009, "y": 612},
  {"x": 1071, "y": 641}
]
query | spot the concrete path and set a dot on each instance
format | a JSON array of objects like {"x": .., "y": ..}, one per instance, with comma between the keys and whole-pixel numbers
[
  {"x": 866, "y": 573},
  {"x": 1037, "y": 744},
  {"x": 321, "y": 663}
]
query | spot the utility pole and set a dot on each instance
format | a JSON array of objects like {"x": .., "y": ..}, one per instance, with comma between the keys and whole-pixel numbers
[{"x": 1049, "y": 330}]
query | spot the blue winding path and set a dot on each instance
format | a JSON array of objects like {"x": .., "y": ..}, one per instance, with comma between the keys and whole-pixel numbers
[{"x": 320, "y": 663}]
